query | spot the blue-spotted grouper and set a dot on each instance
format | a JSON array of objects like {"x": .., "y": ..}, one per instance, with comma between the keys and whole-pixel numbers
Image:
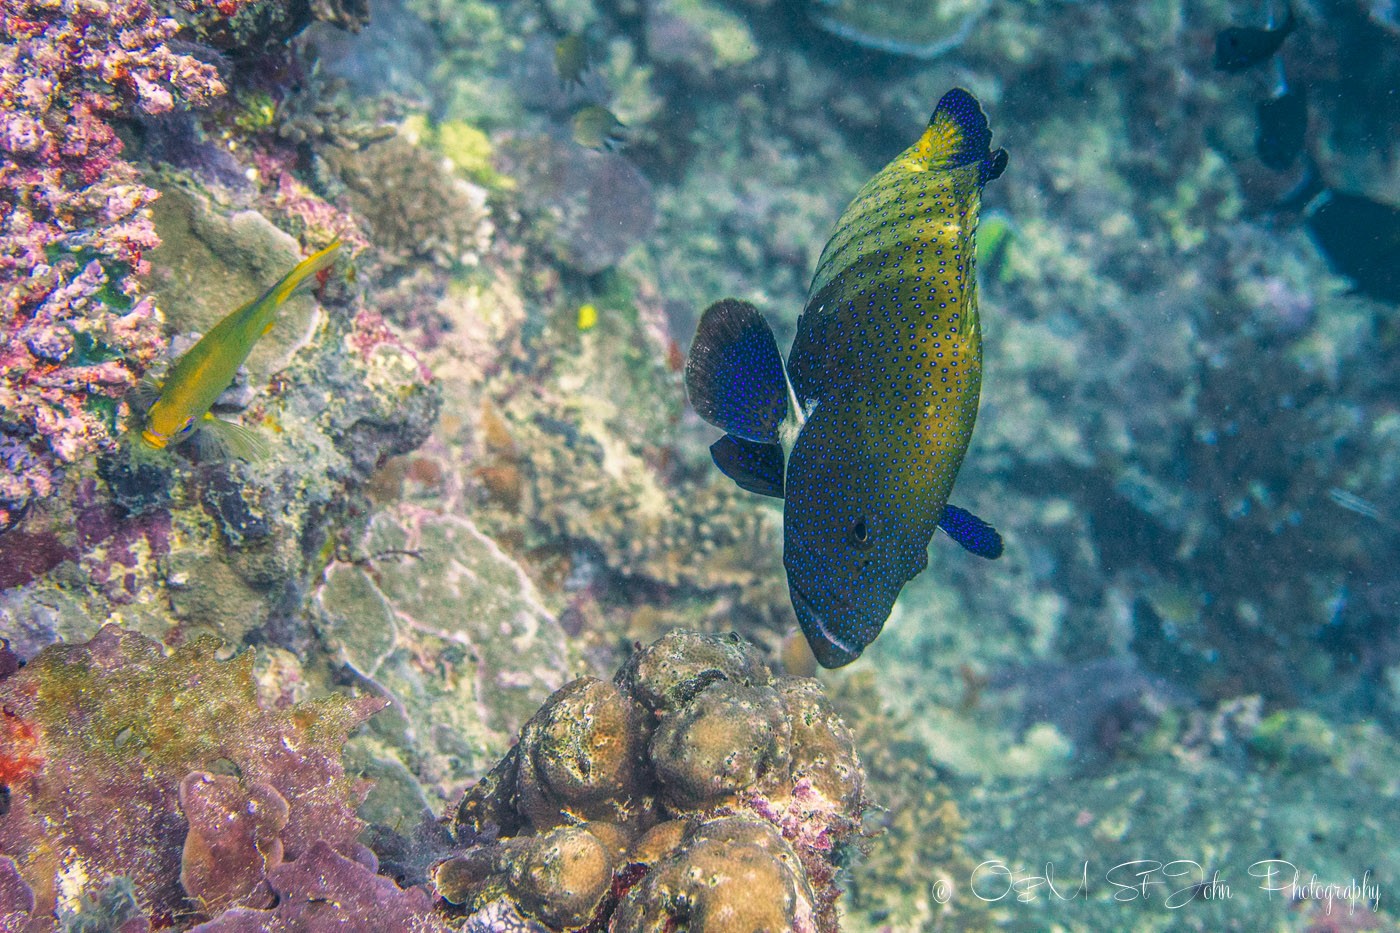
[{"x": 863, "y": 432}]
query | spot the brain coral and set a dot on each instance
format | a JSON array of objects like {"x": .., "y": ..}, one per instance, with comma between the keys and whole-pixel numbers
[{"x": 695, "y": 788}]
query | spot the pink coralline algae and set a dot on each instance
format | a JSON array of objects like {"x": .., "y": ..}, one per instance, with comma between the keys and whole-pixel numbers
[
  {"x": 216, "y": 792},
  {"x": 326, "y": 892},
  {"x": 74, "y": 333}
]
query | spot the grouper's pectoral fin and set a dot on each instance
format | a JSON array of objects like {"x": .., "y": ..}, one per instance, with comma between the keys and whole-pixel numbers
[
  {"x": 755, "y": 467},
  {"x": 974, "y": 534},
  {"x": 734, "y": 375}
]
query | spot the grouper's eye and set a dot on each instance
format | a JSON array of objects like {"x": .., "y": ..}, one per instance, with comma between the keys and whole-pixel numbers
[{"x": 861, "y": 534}]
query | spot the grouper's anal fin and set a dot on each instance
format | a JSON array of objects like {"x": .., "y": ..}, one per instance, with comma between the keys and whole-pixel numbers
[
  {"x": 734, "y": 375},
  {"x": 754, "y": 467}
]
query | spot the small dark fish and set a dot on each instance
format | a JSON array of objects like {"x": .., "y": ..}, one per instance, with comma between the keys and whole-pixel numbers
[
  {"x": 1283, "y": 126},
  {"x": 1361, "y": 240},
  {"x": 597, "y": 127},
  {"x": 1238, "y": 48},
  {"x": 863, "y": 432},
  {"x": 571, "y": 59}
]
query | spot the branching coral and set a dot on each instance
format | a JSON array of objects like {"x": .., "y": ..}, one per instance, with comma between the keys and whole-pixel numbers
[{"x": 73, "y": 223}]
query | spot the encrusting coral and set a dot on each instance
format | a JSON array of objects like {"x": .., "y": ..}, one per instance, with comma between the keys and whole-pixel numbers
[
  {"x": 215, "y": 791},
  {"x": 694, "y": 788}
]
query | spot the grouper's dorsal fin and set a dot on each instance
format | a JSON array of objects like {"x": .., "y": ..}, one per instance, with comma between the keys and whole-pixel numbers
[
  {"x": 734, "y": 375},
  {"x": 958, "y": 135}
]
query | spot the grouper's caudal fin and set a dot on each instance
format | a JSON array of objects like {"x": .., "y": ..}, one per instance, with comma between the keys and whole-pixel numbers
[
  {"x": 958, "y": 135},
  {"x": 734, "y": 375}
]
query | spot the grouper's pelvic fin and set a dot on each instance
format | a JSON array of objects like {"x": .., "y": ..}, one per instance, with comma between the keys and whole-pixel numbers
[
  {"x": 757, "y": 468},
  {"x": 958, "y": 135}
]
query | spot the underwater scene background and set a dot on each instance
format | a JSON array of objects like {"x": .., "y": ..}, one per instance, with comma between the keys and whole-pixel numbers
[{"x": 466, "y": 631}]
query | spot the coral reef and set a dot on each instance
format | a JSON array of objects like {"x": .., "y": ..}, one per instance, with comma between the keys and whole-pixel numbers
[
  {"x": 1294, "y": 783},
  {"x": 214, "y": 790},
  {"x": 248, "y": 27},
  {"x": 1188, "y": 437},
  {"x": 233, "y": 543},
  {"x": 413, "y": 207},
  {"x": 73, "y": 225},
  {"x": 435, "y": 615},
  {"x": 915, "y": 836},
  {"x": 326, "y": 891},
  {"x": 693, "y": 788},
  {"x": 597, "y": 205}
]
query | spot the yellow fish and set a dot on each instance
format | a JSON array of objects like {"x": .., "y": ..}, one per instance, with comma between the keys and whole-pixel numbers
[
  {"x": 587, "y": 316},
  {"x": 572, "y": 59},
  {"x": 597, "y": 127},
  {"x": 863, "y": 432},
  {"x": 202, "y": 374}
]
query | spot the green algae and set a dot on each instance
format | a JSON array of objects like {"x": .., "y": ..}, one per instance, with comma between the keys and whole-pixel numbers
[{"x": 439, "y": 618}]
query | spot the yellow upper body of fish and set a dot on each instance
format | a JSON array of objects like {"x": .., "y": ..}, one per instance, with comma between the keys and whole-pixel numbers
[{"x": 204, "y": 371}]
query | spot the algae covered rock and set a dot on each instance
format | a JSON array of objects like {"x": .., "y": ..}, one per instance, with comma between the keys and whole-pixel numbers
[
  {"x": 593, "y": 206},
  {"x": 439, "y": 618},
  {"x": 215, "y": 791},
  {"x": 694, "y": 788},
  {"x": 178, "y": 545}
]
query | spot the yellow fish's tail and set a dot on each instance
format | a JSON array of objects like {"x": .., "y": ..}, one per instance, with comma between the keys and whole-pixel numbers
[
  {"x": 958, "y": 135},
  {"x": 304, "y": 270}
]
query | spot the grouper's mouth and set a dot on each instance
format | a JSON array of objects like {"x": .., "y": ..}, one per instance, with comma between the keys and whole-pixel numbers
[{"x": 831, "y": 650}]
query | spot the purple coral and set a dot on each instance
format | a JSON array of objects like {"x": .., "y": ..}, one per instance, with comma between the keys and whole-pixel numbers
[
  {"x": 119, "y": 719},
  {"x": 74, "y": 335},
  {"x": 324, "y": 891}
]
